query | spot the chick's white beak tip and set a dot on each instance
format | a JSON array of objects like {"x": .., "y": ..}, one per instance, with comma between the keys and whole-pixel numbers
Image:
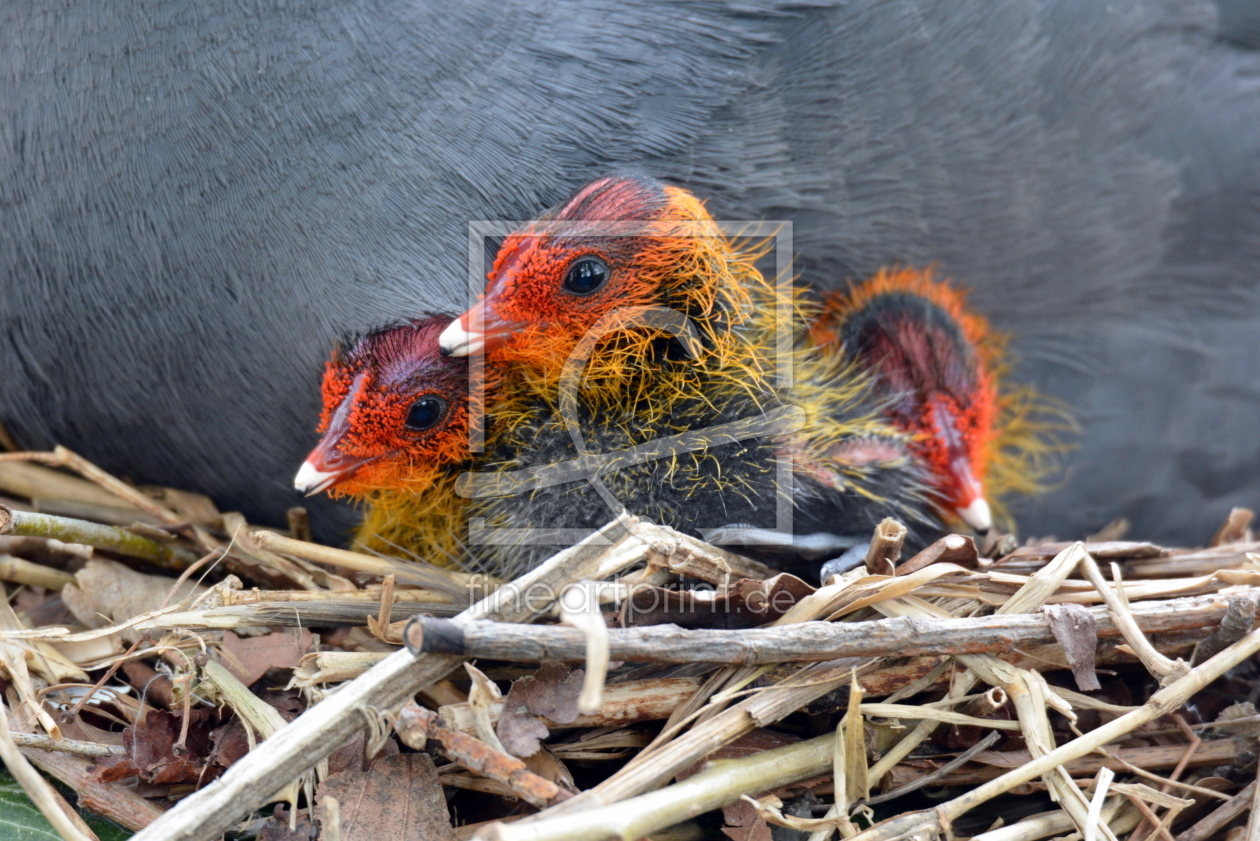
[
  {"x": 456, "y": 341},
  {"x": 977, "y": 515},
  {"x": 311, "y": 480}
]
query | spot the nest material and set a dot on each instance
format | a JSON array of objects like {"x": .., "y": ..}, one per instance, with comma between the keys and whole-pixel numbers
[{"x": 641, "y": 683}]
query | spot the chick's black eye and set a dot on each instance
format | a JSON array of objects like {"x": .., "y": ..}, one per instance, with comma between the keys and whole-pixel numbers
[
  {"x": 586, "y": 275},
  {"x": 425, "y": 413}
]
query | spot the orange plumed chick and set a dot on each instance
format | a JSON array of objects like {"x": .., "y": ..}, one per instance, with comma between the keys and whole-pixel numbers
[
  {"x": 939, "y": 367},
  {"x": 625, "y": 247},
  {"x": 394, "y": 430}
]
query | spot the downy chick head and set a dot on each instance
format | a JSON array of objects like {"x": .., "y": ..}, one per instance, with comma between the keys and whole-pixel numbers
[
  {"x": 934, "y": 366},
  {"x": 395, "y": 414},
  {"x": 621, "y": 244}
]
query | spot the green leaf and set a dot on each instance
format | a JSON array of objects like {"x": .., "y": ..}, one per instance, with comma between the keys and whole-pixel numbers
[{"x": 21, "y": 821}]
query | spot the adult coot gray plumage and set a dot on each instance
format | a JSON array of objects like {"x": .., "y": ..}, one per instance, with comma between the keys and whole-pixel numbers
[{"x": 196, "y": 198}]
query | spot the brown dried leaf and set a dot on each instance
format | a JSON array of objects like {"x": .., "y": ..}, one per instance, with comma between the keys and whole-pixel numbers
[
  {"x": 107, "y": 592},
  {"x": 398, "y": 797},
  {"x": 151, "y": 750},
  {"x": 349, "y": 757},
  {"x": 1243, "y": 709},
  {"x": 520, "y": 733},
  {"x": 1076, "y": 631},
  {"x": 250, "y": 658},
  {"x": 230, "y": 743},
  {"x": 156, "y": 689},
  {"x": 552, "y": 693}
]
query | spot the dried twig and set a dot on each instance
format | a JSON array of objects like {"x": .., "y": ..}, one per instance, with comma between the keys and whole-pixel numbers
[
  {"x": 112, "y": 538},
  {"x": 21, "y": 571},
  {"x": 120, "y": 804},
  {"x": 415, "y": 725},
  {"x": 460, "y": 584},
  {"x": 45, "y": 742},
  {"x": 1222, "y": 815},
  {"x": 796, "y": 643}
]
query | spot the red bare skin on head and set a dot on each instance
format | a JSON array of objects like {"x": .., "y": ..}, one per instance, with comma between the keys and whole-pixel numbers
[
  {"x": 395, "y": 407},
  {"x": 621, "y": 236},
  {"x": 931, "y": 360}
]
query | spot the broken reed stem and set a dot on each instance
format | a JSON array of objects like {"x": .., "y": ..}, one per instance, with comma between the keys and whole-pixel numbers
[
  {"x": 404, "y": 572},
  {"x": 885, "y": 549},
  {"x": 797, "y": 643},
  {"x": 624, "y": 703},
  {"x": 21, "y": 571},
  {"x": 1163, "y": 702},
  {"x": 722, "y": 782},
  {"x": 333, "y": 609},
  {"x": 1222, "y": 815},
  {"x": 1164, "y": 670},
  {"x": 110, "y": 538},
  {"x": 416, "y": 725},
  {"x": 45, "y": 742},
  {"x": 690, "y": 556},
  {"x": 260, "y": 774},
  {"x": 950, "y": 549}
]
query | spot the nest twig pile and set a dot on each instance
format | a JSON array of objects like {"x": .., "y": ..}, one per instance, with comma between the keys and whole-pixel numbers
[{"x": 180, "y": 670}]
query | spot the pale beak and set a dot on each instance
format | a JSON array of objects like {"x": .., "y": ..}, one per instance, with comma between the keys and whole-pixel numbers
[
  {"x": 456, "y": 341},
  {"x": 327, "y": 464},
  {"x": 311, "y": 480},
  {"x": 476, "y": 331},
  {"x": 976, "y": 513}
]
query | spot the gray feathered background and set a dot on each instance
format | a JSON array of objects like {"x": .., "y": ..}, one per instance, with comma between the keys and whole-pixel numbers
[{"x": 196, "y": 198}]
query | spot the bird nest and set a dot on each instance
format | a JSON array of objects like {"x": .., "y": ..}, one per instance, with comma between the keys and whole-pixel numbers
[{"x": 186, "y": 674}]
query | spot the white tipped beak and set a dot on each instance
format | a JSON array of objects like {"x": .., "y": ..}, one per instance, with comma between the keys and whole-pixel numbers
[
  {"x": 310, "y": 480},
  {"x": 456, "y": 341},
  {"x": 977, "y": 515}
]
